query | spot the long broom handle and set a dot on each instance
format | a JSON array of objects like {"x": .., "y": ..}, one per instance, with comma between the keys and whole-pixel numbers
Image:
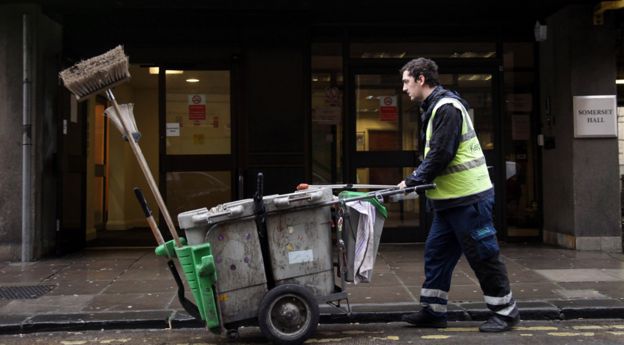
[{"x": 146, "y": 171}]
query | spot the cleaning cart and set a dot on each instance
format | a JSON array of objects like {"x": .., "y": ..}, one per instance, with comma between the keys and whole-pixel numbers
[
  {"x": 270, "y": 260},
  {"x": 277, "y": 257}
]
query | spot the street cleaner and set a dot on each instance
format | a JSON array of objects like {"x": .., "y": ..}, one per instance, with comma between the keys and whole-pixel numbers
[{"x": 461, "y": 204}]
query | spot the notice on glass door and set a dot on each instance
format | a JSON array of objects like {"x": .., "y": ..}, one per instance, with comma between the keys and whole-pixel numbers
[
  {"x": 388, "y": 110},
  {"x": 173, "y": 129},
  {"x": 197, "y": 106}
]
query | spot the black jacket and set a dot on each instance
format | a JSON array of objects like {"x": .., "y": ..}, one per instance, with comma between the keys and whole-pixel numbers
[{"x": 443, "y": 146}]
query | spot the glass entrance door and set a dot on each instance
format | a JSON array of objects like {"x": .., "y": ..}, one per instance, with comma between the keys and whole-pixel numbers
[
  {"x": 196, "y": 139},
  {"x": 386, "y": 137}
]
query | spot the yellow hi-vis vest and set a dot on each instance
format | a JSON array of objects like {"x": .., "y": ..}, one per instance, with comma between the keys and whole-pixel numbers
[{"x": 467, "y": 173}]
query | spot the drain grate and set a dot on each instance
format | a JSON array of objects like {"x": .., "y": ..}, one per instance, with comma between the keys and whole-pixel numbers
[{"x": 24, "y": 292}]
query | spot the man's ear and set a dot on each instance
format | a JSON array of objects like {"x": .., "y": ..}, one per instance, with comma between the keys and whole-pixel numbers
[{"x": 421, "y": 80}]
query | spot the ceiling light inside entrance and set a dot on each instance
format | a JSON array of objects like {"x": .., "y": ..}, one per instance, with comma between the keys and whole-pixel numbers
[
  {"x": 156, "y": 70},
  {"x": 192, "y": 80}
]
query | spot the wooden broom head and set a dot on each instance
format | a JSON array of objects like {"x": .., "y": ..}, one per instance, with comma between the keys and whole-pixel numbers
[{"x": 96, "y": 74}]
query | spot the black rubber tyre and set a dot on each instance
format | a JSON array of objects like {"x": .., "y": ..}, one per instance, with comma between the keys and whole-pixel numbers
[
  {"x": 288, "y": 314},
  {"x": 232, "y": 334}
]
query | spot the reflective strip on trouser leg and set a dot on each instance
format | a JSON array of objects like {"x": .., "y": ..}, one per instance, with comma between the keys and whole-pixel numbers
[
  {"x": 434, "y": 293},
  {"x": 434, "y": 299},
  {"x": 505, "y": 306},
  {"x": 498, "y": 300}
]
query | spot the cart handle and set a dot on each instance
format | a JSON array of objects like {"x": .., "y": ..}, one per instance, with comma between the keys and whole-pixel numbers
[
  {"x": 205, "y": 217},
  {"x": 303, "y": 186},
  {"x": 379, "y": 195}
]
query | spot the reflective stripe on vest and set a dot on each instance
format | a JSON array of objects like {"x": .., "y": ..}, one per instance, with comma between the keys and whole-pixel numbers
[{"x": 467, "y": 173}]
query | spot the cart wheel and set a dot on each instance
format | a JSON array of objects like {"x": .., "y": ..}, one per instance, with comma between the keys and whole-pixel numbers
[
  {"x": 232, "y": 334},
  {"x": 288, "y": 314}
]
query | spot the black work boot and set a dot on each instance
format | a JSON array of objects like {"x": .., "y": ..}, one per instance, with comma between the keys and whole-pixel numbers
[
  {"x": 498, "y": 323},
  {"x": 424, "y": 319}
]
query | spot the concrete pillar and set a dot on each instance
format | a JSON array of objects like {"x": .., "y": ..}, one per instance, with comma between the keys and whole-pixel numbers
[
  {"x": 580, "y": 176},
  {"x": 46, "y": 48},
  {"x": 10, "y": 132}
]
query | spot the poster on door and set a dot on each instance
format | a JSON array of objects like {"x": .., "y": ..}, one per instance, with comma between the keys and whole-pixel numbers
[
  {"x": 197, "y": 107},
  {"x": 388, "y": 110}
]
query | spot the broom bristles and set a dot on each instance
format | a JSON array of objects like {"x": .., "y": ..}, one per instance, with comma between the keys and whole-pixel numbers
[{"x": 97, "y": 73}]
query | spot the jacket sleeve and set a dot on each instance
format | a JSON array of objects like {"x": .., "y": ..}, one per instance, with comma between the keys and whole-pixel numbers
[{"x": 442, "y": 147}]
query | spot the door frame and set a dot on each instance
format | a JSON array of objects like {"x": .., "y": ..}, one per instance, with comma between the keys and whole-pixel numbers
[
  {"x": 71, "y": 239},
  {"x": 397, "y": 158},
  {"x": 219, "y": 162},
  {"x": 101, "y": 100}
]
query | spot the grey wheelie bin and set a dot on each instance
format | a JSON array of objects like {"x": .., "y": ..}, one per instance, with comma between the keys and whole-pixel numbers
[{"x": 276, "y": 277}]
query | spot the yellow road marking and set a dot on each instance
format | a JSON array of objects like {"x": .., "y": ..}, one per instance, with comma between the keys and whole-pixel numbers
[
  {"x": 435, "y": 337},
  {"x": 616, "y": 333},
  {"x": 73, "y": 342},
  {"x": 108, "y": 341},
  {"x": 325, "y": 340},
  {"x": 571, "y": 334},
  {"x": 587, "y": 327},
  {"x": 536, "y": 328},
  {"x": 390, "y": 337},
  {"x": 460, "y": 329},
  {"x": 526, "y": 335}
]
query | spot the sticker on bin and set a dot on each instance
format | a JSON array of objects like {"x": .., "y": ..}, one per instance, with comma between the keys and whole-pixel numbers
[{"x": 300, "y": 256}]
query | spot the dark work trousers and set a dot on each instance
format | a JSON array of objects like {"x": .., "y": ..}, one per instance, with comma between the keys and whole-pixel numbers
[{"x": 469, "y": 230}]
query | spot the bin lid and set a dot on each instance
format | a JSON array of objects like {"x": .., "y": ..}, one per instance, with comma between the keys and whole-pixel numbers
[
  {"x": 222, "y": 212},
  {"x": 185, "y": 219},
  {"x": 379, "y": 206},
  {"x": 311, "y": 196}
]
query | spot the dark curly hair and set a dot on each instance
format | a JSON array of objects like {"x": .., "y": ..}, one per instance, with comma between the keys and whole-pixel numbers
[{"x": 425, "y": 67}]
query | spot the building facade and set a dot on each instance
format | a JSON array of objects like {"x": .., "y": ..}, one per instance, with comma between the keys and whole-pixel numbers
[{"x": 306, "y": 92}]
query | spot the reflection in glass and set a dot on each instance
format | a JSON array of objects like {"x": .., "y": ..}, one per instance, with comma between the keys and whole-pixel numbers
[
  {"x": 327, "y": 113},
  {"x": 520, "y": 186},
  {"x": 188, "y": 190}
]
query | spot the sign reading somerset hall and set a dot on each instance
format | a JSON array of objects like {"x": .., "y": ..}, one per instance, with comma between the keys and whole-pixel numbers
[{"x": 595, "y": 116}]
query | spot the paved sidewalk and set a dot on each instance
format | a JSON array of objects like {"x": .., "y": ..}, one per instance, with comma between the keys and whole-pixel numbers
[{"x": 132, "y": 288}]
